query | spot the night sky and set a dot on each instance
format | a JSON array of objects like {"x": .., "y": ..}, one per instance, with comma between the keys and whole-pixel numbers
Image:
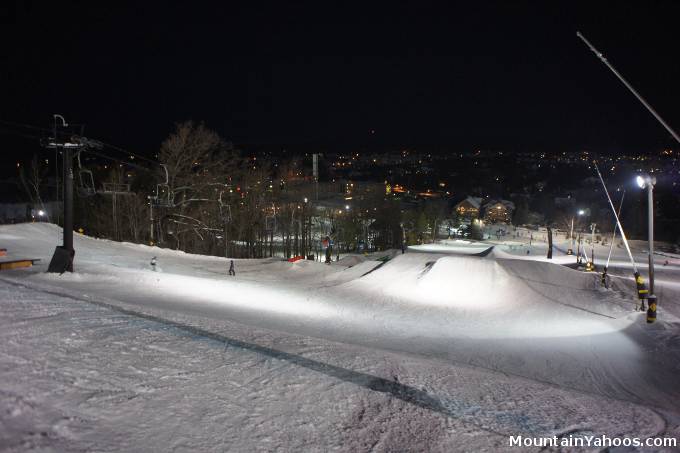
[{"x": 506, "y": 75}]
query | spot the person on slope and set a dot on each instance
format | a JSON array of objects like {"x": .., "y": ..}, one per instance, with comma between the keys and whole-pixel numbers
[{"x": 231, "y": 268}]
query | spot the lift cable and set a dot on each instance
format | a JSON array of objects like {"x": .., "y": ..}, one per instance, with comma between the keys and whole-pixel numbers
[{"x": 43, "y": 129}]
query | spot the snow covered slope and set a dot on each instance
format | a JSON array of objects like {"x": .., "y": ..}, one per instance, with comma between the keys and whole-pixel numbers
[{"x": 516, "y": 321}]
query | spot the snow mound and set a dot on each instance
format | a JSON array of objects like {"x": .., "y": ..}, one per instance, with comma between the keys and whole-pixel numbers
[{"x": 473, "y": 284}]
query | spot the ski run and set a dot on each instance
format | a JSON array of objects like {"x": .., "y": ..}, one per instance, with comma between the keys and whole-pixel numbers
[{"x": 454, "y": 346}]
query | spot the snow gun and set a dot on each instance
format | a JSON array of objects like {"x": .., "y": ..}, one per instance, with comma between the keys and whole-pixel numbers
[
  {"x": 611, "y": 245},
  {"x": 642, "y": 291}
]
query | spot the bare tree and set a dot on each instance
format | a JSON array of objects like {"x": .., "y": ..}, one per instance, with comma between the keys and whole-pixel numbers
[
  {"x": 201, "y": 169},
  {"x": 33, "y": 180}
]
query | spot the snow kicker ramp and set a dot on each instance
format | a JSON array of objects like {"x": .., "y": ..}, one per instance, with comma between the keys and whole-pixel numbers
[
  {"x": 454, "y": 248},
  {"x": 495, "y": 288}
]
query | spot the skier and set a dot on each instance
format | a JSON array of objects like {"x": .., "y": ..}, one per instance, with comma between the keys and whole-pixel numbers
[
  {"x": 153, "y": 264},
  {"x": 231, "y": 268}
]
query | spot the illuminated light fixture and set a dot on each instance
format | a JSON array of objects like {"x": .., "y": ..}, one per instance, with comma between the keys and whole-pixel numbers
[
  {"x": 644, "y": 181},
  {"x": 648, "y": 182},
  {"x": 41, "y": 213}
]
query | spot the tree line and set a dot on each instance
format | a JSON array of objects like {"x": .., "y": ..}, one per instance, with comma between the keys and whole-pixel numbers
[{"x": 203, "y": 196}]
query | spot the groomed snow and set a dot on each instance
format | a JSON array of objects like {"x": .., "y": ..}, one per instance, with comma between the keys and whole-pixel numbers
[{"x": 426, "y": 352}]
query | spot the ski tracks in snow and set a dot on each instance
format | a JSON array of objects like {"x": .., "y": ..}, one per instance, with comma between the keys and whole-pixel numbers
[{"x": 100, "y": 360}]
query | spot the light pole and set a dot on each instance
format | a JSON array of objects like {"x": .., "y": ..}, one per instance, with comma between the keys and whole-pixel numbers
[
  {"x": 403, "y": 238},
  {"x": 571, "y": 233},
  {"x": 647, "y": 182},
  {"x": 590, "y": 264}
]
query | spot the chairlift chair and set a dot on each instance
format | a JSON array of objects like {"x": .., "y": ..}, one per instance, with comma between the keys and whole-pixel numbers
[
  {"x": 164, "y": 198},
  {"x": 225, "y": 213},
  {"x": 85, "y": 180},
  {"x": 270, "y": 220},
  {"x": 225, "y": 209}
]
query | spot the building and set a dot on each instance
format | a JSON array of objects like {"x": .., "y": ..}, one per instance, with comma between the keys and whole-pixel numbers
[
  {"x": 498, "y": 211},
  {"x": 469, "y": 208}
]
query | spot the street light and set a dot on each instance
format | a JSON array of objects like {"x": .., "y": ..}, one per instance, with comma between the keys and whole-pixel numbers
[
  {"x": 590, "y": 265},
  {"x": 647, "y": 182},
  {"x": 571, "y": 233}
]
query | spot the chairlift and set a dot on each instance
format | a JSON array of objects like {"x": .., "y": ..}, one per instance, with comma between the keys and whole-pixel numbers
[
  {"x": 270, "y": 220},
  {"x": 85, "y": 180},
  {"x": 164, "y": 198},
  {"x": 225, "y": 209}
]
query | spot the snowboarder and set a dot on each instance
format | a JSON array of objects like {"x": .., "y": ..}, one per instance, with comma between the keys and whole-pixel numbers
[{"x": 231, "y": 268}]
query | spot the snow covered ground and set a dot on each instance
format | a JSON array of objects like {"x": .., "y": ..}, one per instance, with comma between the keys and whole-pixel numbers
[{"x": 431, "y": 351}]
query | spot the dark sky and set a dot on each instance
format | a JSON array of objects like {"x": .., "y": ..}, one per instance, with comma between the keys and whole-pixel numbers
[{"x": 509, "y": 75}]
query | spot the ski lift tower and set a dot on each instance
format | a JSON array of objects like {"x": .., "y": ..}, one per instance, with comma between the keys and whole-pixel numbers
[{"x": 62, "y": 260}]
